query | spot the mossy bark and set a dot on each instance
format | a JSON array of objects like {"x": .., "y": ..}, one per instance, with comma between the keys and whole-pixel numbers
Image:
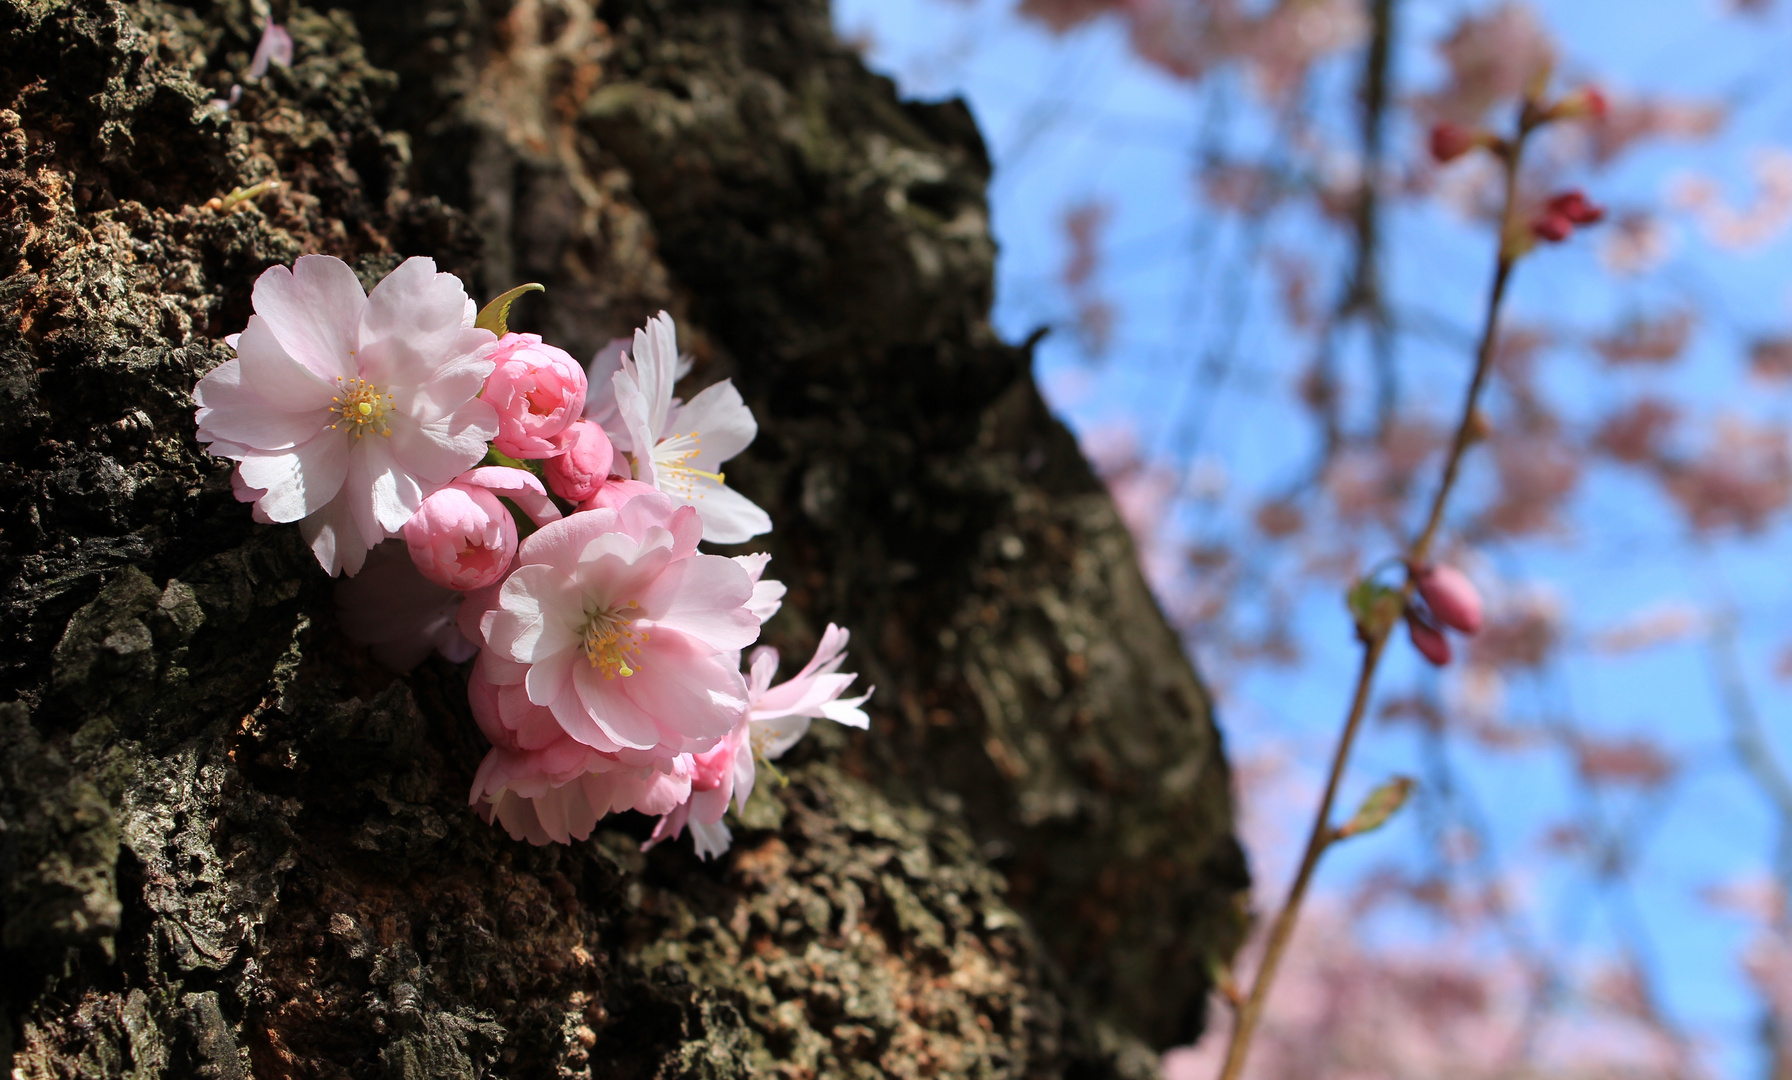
[{"x": 230, "y": 845}]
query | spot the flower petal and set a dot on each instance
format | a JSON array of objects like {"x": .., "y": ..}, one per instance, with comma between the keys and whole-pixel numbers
[
  {"x": 414, "y": 315},
  {"x": 518, "y": 485},
  {"x": 393, "y": 493},
  {"x": 656, "y": 369},
  {"x": 728, "y": 516},
  {"x": 528, "y": 626},
  {"x": 438, "y": 452},
  {"x": 338, "y": 545},
  {"x": 230, "y": 411},
  {"x": 300, "y": 481},
  {"x": 314, "y": 310},
  {"x": 704, "y": 597},
  {"x": 678, "y": 678},
  {"x": 276, "y": 376},
  {"x": 722, "y": 421},
  {"x": 609, "y": 706}
]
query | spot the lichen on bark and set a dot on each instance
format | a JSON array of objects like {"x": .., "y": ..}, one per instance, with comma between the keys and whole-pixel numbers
[{"x": 230, "y": 845}]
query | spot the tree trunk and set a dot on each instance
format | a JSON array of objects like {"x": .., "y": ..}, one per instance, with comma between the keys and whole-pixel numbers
[{"x": 231, "y": 845}]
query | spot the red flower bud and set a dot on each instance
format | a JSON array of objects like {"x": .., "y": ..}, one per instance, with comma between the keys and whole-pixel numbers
[
  {"x": 1452, "y": 598},
  {"x": 1428, "y": 639},
  {"x": 1552, "y": 227},
  {"x": 1451, "y": 141},
  {"x": 1574, "y": 206}
]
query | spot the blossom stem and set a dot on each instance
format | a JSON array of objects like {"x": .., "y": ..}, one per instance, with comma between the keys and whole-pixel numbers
[{"x": 1375, "y": 640}]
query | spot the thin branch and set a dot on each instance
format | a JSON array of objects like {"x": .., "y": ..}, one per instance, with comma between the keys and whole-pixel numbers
[
  {"x": 1748, "y": 737},
  {"x": 1376, "y": 637}
]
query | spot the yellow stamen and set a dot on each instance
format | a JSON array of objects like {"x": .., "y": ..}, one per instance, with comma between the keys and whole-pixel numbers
[
  {"x": 361, "y": 407},
  {"x": 610, "y": 640},
  {"x": 672, "y": 458}
]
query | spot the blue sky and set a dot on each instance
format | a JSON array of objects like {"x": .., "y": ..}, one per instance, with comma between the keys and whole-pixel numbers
[{"x": 1075, "y": 119}]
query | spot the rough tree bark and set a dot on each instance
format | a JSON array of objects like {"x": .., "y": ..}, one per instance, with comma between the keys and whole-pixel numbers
[{"x": 230, "y": 845}]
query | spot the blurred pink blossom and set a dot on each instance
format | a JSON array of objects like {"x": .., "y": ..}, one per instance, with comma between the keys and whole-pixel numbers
[
  {"x": 275, "y": 47},
  {"x": 397, "y": 613},
  {"x": 1751, "y": 226}
]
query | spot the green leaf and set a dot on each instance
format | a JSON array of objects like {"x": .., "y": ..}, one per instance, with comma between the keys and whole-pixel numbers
[
  {"x": 495, "y": 316},
  {"x": 495, "y": 456},
  {"x": 1383, "y": 803},
  {"x": 1374, "y": 606}
]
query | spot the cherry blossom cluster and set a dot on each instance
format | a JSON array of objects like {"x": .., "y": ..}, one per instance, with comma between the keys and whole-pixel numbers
[{"x": 484, "y": 495}]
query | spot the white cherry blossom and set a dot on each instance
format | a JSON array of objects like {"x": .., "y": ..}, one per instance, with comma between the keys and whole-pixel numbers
[
  {"x": 679, "y": 448},
  {"x": 344, "y": 410}
]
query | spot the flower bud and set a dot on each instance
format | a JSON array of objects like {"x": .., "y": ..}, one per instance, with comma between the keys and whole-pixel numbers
[
  {"x": 1586, "y": 103},
  {"x": 1573, "y": 206},
  {"x": 1450, "y": 595},
  {"x": 1428, "y": 639},
  {"x": 1552, "y": 227},
  {"x": 538, "y": 391},
  {"x": 584, "y": 463},
  {"x": 1451, "y": 141},
  {"x": 461, "y": 537}
]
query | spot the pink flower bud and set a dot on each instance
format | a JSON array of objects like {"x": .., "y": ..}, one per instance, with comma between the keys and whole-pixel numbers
[
  {"x": 584, "y": 463},
  {"x": 461, "y": 537},
  {"x": 1451, "y": 597},
  {"x": 1428, "y": 639},
  {"x": 1451, "y": 141},
  {"x": 538, "y": 391}
]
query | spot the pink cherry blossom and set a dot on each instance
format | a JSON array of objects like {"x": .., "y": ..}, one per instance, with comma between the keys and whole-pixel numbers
[
  {"x": 781, "y": 713},
  {"x": 583, "y": 464},
  {"x": 538, "y": 390},
  {"x": 777, "y": 717},
  {"x": 346, "y": 410},
  {"x": 768, "y": 595},
  {"x": 398, "y": 614},
  {"x": 677, "y": 448},
  {"x": 1451, "y": 596},
  {"x": 717, "y": 777},
  {"x": 542, "y": 785},
  {"x": 624, "y": 630}
]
